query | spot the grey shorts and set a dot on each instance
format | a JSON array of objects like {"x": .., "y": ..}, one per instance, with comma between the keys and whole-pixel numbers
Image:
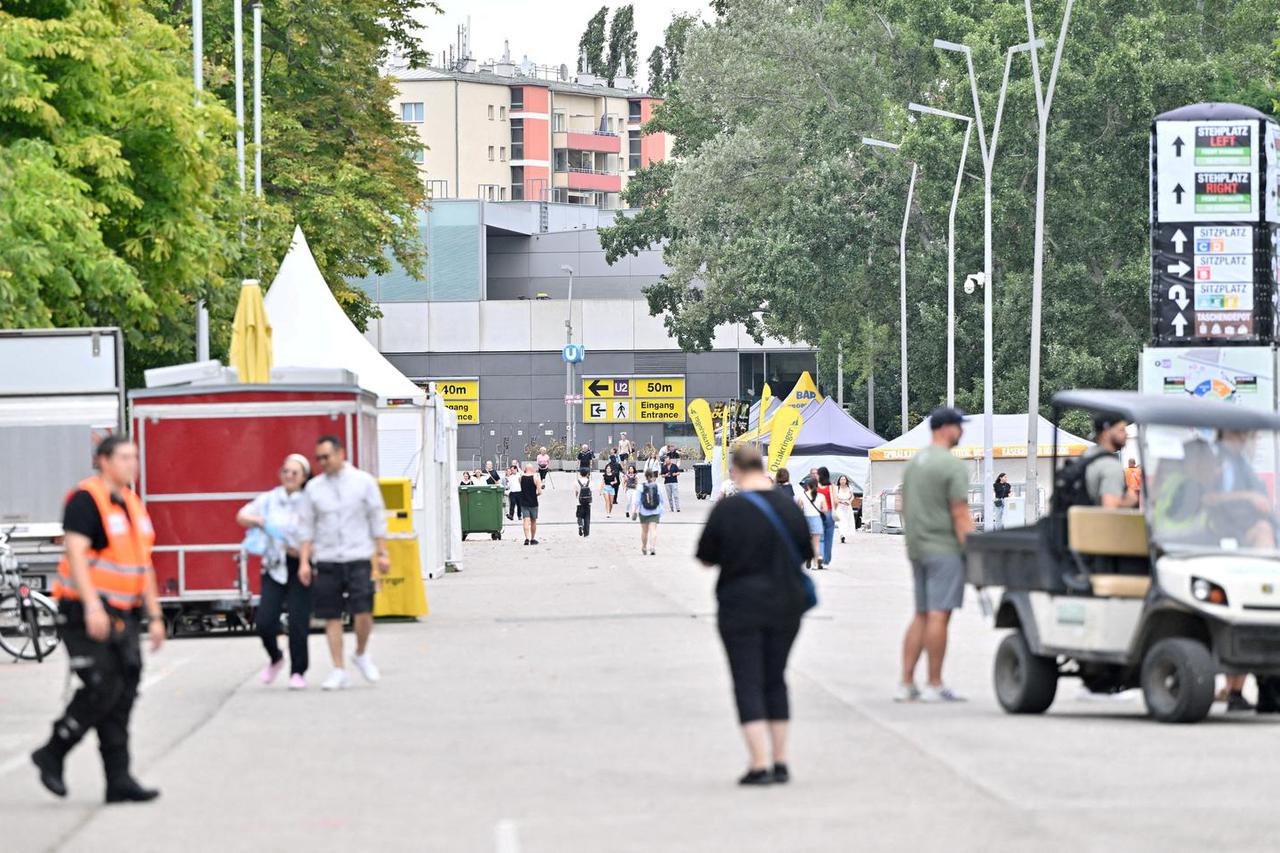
[
  {"x": 939, "y": 583},
  {"x": 530, "y": 512}
]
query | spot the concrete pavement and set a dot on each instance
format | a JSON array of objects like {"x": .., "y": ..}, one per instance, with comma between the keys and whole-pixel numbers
[{"x": 573, "y": 697}]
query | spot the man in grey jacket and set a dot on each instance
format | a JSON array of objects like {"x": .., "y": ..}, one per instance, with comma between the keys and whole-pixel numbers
[{"x": 344, "y": 529}]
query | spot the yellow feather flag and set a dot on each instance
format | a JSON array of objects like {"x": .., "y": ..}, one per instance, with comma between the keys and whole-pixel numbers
[
  {"x": 724, "y": 442},
  {"x": 766, "y": 397},
  {"x": 700, "y": 414},
  {"x": 782, "y": 437}
]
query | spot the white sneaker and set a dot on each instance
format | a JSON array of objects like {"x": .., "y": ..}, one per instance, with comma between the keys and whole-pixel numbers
[
  {"x": 364, "y": 663},
  {"x": 337, "y": 680},
  {"x": 939, "y": 695},
  {"x": 906, "y": 693}
]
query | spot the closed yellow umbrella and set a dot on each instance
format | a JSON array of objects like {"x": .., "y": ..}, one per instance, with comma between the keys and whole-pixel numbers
[{"x": 251, "y": 335}]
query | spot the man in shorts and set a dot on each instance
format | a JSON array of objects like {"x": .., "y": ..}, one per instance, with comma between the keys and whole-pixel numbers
[
  {"x": 935, "y": 496},
  {"x": 344, "y": 529}
]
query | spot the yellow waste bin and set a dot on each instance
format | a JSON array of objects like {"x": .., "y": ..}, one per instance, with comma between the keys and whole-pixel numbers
[{"x": 401, "y": 592}]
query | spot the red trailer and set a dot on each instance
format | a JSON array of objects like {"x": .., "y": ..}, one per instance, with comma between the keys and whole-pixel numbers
[{"x": 205, "y": 452}]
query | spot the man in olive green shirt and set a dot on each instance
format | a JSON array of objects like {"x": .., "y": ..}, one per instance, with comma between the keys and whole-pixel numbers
[{"x": 936, "y": 520}]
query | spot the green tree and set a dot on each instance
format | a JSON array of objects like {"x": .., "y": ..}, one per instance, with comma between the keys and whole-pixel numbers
[
  {"x": 657, "y": 70},
  {"x": 673, "y": 40},
  {"x": 622, "y": 42},
  {"x": 334, "y": 155},
  {"x": 109, "y": 178},
  {"x": 592, "y": 44}
]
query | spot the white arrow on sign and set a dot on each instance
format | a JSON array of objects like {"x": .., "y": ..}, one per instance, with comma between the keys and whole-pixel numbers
[
  {"x": 1179, "y": 325},
  {"x": 1178, "y": 294},
  {"x": 1180, "y": 268},
  {"x": 1179, "y": 240}
]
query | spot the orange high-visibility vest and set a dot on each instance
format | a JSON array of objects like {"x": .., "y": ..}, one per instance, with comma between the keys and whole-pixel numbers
[
  {"x": 119, "y": 571},
  {"x": 1133, "y": 479}
]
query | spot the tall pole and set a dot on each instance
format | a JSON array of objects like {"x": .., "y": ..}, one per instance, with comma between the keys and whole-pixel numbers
[
  {"x": 902, "y": 291},
  {"x": 568, "y": 368},
  {"x": 237, "y": 27},
  {"x": 197, "y": 77},
  {"x": 840, "y": 375},
  {"x": 871, "y": 401},
  {"x": 257, "y": 100},
  {"x": 1044, "y": 102},
  {"x": 988, "y": 153},
  {"x": 951, "y": 270}
]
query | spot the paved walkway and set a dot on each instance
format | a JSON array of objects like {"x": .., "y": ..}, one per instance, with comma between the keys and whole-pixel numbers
[{"x": 573, "y": 697}]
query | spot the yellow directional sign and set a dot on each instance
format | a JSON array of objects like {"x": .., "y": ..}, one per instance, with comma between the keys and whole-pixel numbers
[
  {"x": 458, "y": 389},
  {"x": 468, "y": 411},
  {"x": 633, "y": 399}
]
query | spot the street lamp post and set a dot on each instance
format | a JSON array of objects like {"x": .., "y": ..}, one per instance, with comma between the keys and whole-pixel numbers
[
  {"x": 1044, "y": 101},
  {"x": 197, "y": 79},
  {"x": 568, "y": 365},
  {"x": 988, "y": 153},
  {"x": 951, "y": 245},
  {"x": 902, "y": 272}
]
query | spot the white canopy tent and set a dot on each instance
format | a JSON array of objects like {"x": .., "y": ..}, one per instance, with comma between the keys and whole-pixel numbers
[
  {"x": 1009, "y": 447},
  {"x": 416, "y": 438}
]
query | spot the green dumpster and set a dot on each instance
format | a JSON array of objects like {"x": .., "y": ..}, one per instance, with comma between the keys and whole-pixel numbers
[{"x": 481, "y": 510}]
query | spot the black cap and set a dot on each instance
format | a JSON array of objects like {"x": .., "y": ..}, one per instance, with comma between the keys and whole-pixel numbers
[{"x": 946, "y": 416}]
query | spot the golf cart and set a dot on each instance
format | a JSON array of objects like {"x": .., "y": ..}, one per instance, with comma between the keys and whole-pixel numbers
[{"x": 1164, "y": 597}]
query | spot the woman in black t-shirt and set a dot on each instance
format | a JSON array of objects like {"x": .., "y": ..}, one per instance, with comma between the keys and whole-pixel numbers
[
  {"x": 611, "y": 480},
  {"x": 761, "y": 598}
]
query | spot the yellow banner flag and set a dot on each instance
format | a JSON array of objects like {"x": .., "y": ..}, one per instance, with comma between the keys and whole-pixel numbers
[
  {"x": 805, "y": 392},
  {"x": 782, "y": 437},
  {"x": 766, "y": 397},
  {"x": 700, "y": 413},
  {"x": 724, "y": 442}
]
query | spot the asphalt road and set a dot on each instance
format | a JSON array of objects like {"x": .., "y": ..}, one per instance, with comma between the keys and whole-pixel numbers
[{"x": 573, "y": 697}]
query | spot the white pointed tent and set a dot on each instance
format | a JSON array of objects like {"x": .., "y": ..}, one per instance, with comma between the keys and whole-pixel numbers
[{"x": 416, "y": 439}]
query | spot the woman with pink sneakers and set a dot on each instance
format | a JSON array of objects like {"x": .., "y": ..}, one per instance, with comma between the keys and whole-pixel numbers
[{"x": 273, "y": 521}]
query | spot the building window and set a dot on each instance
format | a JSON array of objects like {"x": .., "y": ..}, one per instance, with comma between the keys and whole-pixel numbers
[
  {"x": 633, "y": 150},
  {"x": 491, "y": 112},
  {"x": 517, "y": 183},
  {"x": 418, "y": 155},
  {"x": 502, "y": 113},
  {"x": 633, "y": 111},
  {"x": 502, "y": 193},
  {"x": 560, "y": 195},
  {"x": 517, "y": 139},
  {"x": 490, "y": 152},
  {"x": 517, "y": 98},
  {"x": 437, "y": 189},
  {"x": 562, "y": 160},
  {"x": 502, "y": 153},
  {"x": 557, "y": 123},
  {"x": 411, "y": 111}
]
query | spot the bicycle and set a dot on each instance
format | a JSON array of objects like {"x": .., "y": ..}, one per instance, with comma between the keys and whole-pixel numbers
[{"x": 28, "y": 619}]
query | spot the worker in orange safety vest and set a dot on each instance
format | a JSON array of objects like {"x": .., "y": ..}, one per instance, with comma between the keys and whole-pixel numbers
[
  {"x": 105, "y": 579},
  {"x": 1133, "y": 479}
]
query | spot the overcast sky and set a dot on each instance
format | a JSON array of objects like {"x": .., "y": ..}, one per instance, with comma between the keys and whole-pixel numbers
[{"x": 546, "y": 30}]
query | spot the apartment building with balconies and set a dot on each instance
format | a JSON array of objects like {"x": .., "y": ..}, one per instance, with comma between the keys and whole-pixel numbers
[{"x": 507, "y": 132}]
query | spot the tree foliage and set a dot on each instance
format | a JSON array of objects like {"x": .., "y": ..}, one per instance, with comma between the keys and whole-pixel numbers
[
  {"x": 110, "y": 192},
  {"x": 622, "y": 43},
  {"x": 773, "y": 201},
  {"x": 657, "y": 70},
  {"x": 591, "y": 46}
]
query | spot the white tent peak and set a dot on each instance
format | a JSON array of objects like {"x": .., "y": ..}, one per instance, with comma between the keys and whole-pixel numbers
[{"x": 310, "y": 329}]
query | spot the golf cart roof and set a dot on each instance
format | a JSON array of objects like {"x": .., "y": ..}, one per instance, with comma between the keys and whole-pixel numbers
[{"x": 1172, "y": 411}]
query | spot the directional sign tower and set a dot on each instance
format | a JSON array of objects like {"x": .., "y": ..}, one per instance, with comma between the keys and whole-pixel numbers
[{"x": 1214, "y": 221}]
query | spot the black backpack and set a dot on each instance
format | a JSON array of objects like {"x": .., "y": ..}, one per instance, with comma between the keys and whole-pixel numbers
[
  {"x": 1070, "y": 485},
  {"x": 649, "y": 498},
  {"x": 584, "y": 494}
]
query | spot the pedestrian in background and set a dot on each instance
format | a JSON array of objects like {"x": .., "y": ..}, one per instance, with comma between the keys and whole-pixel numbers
[
  {"x": 759, "y": 539},
  {"x": 844, "y": 506},
  {"x": 585, "y": 456},
  {"x": 828, "y": 516},
  {"x": 277, "y": 517},
  {"x": 630, "y": 481},
  {"x": 583, "y": 511},
  {"x": 650, "y": 506},
  {"x": 105, "y": 578},
  {"x": 1002, "y": 490},
  {"x": 610, "y": 483},
  {"x": 936, "y": 521},
  {"x": 491, "y": 477},
  {"x": 530, "y": 489},
  {"x": 625, "y": 448},
  {"x": 344, "y": 529},
  {"x": 513, "y": 491},
  {"x": 544, "y": 464},
  {"x": 782, "y": 483},
  {"x": 671, "y": 479},
  {"x": 812, "y": 503}
]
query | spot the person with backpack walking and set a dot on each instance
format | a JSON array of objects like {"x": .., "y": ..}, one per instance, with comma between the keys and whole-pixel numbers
[
  {"x": 649, "y": 509},
  {"x": 583, "y": 512},
  {"x": 812, "y": 504},
  {"x": 759, "y": 540},
  {"x": 936, "y": 521},
  {"x": 828, "y": 516}
]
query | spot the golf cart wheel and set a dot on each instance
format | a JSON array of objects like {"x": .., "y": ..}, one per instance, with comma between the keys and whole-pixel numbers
[
  {"x": 1025, "y": 683},
  {"x": 1177, "y": 680}
]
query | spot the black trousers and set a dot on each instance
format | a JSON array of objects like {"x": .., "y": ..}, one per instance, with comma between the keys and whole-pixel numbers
[
  {"x": 584, "y": 519},
  {"x": 758, "y": 662},
  {"x": 513, "y": 506},
  {"x": 298, "y": 598},
  {"x": 109, "y": 673}
]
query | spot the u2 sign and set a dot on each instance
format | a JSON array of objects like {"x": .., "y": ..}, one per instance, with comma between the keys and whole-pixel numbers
[{"x": 573, "y": 353}]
